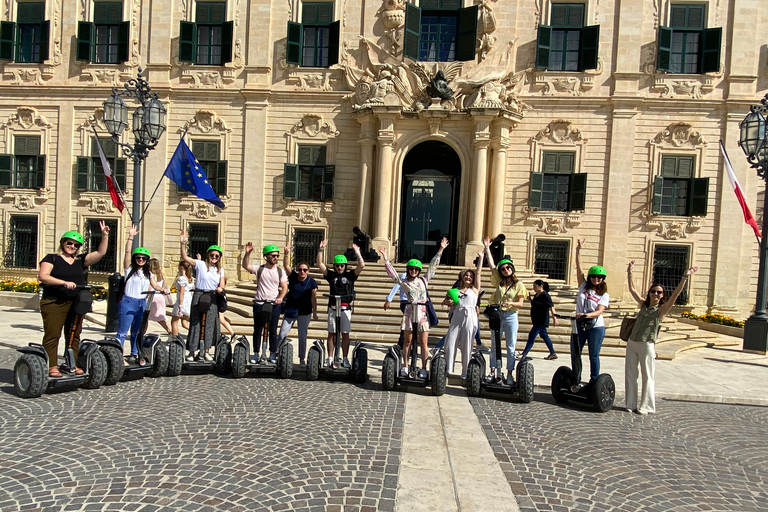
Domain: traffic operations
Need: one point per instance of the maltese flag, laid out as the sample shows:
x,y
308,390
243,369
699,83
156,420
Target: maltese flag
x,y
748,218
114,190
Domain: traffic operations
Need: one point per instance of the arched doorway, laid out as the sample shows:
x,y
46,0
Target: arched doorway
x,y
430,199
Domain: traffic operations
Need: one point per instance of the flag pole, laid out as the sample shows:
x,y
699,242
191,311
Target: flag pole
x,y
114,182
161,180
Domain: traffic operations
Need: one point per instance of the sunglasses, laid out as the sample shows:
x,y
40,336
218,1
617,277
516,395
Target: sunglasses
x,y
597,277
506,267
73,244
212,256
657,292
303,270
141,258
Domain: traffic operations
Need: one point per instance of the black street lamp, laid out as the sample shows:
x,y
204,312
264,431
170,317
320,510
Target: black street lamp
x,y
148,127
753,140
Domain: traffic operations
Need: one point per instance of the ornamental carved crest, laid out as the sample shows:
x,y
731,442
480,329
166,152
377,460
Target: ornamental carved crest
x,y
26,118
560,131
312,125
679,134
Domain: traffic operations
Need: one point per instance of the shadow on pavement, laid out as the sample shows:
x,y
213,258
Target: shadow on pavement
x,y
749,363
6,376
29,327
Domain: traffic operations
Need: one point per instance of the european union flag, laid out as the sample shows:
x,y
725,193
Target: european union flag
x,y
186,172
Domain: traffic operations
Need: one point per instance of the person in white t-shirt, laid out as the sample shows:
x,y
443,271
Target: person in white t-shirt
x,y
591,301
271,285
209,282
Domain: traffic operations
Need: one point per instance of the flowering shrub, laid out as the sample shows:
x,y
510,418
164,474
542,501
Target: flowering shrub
x,y
714,319
19,286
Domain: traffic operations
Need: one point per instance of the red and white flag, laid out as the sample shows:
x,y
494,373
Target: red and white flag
x,y
114,190
748,218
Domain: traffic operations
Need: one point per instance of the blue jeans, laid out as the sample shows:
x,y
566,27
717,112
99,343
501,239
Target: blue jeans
x,y
258,327
509,329
535,331
594,340
129,316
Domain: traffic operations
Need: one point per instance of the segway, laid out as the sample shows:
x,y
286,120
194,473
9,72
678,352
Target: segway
x,y
435,377
316,357
152,358
283,364
476,370
222,356
567,384
30,374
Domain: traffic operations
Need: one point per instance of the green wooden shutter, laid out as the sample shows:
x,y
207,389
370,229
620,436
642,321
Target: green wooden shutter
x,y
664,56
187,41
227,30
466,33
291,181
40,172
324,14
590,43
697,206
658,189
711,42
84,39
220,187
333,42
81,177
684,167
549,163
577,195
677,16
543,44
559,15
123,41
293,43
412,32
7,39
669,166
537,184
565,163
45,36
6,170
119,172
327,188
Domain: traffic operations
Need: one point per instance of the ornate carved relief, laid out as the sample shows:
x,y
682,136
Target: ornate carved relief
x,y
321,79
309,212
55,58
135,57
205,121
677,135
560,131
670,228
199,208
552,223
392,15
97,202
25,199
685,86
313,125
104,75
486,25
24,75
552,83
26,118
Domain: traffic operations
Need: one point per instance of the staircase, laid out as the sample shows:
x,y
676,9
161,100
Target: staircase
x,y
371,324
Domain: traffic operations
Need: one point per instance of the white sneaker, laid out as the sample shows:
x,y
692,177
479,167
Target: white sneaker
x,y
191,357
207,357
254,358
329,362
346,363
273,358
404,371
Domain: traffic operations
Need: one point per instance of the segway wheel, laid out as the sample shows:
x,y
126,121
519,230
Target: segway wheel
x,y
222,363
438,376
313,364
388,370
473,378
159,361
603,393
562,379
239,360
175,359
525,382
360,366
97,372
115,367
285,361
30,376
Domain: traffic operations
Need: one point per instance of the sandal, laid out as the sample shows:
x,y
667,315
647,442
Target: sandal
x,y
54,372
79,371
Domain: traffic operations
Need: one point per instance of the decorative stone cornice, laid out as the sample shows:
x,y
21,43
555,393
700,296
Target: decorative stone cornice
x,y
25,199
26,118
566,83
678,135
560,131
200,208
551,223
205,121
309,212
313,125
97,202
670,227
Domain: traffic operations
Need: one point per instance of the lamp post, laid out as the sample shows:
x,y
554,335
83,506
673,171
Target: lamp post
x,y
148,127
753,139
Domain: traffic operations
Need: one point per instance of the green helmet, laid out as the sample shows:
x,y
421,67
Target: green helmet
x,y
596,270
504,262
214,248
414,263
340,259
453,293
73,235
270,248
140,250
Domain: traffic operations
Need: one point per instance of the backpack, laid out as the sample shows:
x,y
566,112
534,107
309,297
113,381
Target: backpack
x,y
279,272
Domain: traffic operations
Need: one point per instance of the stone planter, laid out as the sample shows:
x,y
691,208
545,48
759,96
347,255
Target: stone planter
x,y
19,300
728,330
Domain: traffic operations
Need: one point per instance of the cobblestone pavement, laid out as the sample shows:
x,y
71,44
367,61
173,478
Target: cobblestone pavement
x,y
200,443
688,456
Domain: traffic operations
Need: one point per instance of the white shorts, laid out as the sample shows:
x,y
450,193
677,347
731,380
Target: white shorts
x,y
346,320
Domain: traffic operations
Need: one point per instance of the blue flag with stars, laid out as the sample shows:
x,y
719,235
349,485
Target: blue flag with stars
x,y
186,172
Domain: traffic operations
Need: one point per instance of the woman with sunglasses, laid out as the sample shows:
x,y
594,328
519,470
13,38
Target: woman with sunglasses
x,y
60,274
641,347
138,279
300,303
209,281
591,301
415,287
509,293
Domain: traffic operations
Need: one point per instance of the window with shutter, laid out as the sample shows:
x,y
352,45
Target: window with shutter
x,y
110,33
28,172
6,170
676,191
558,188
84,40
7,39
187,41
21,251
440,31
310,179
108,263
687,46
96,180
211,26
315,41
207,154
32,32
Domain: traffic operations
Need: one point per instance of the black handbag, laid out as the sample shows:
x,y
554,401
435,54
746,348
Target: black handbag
x,y
221,301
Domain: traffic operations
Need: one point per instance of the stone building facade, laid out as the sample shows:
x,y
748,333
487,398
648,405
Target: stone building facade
x,y
548,122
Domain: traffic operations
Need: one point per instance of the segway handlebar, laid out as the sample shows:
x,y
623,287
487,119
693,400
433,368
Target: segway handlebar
x,y
565,317
89,287
337,297
264,301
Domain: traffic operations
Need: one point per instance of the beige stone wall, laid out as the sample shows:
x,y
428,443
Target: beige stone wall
x,y
260,108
